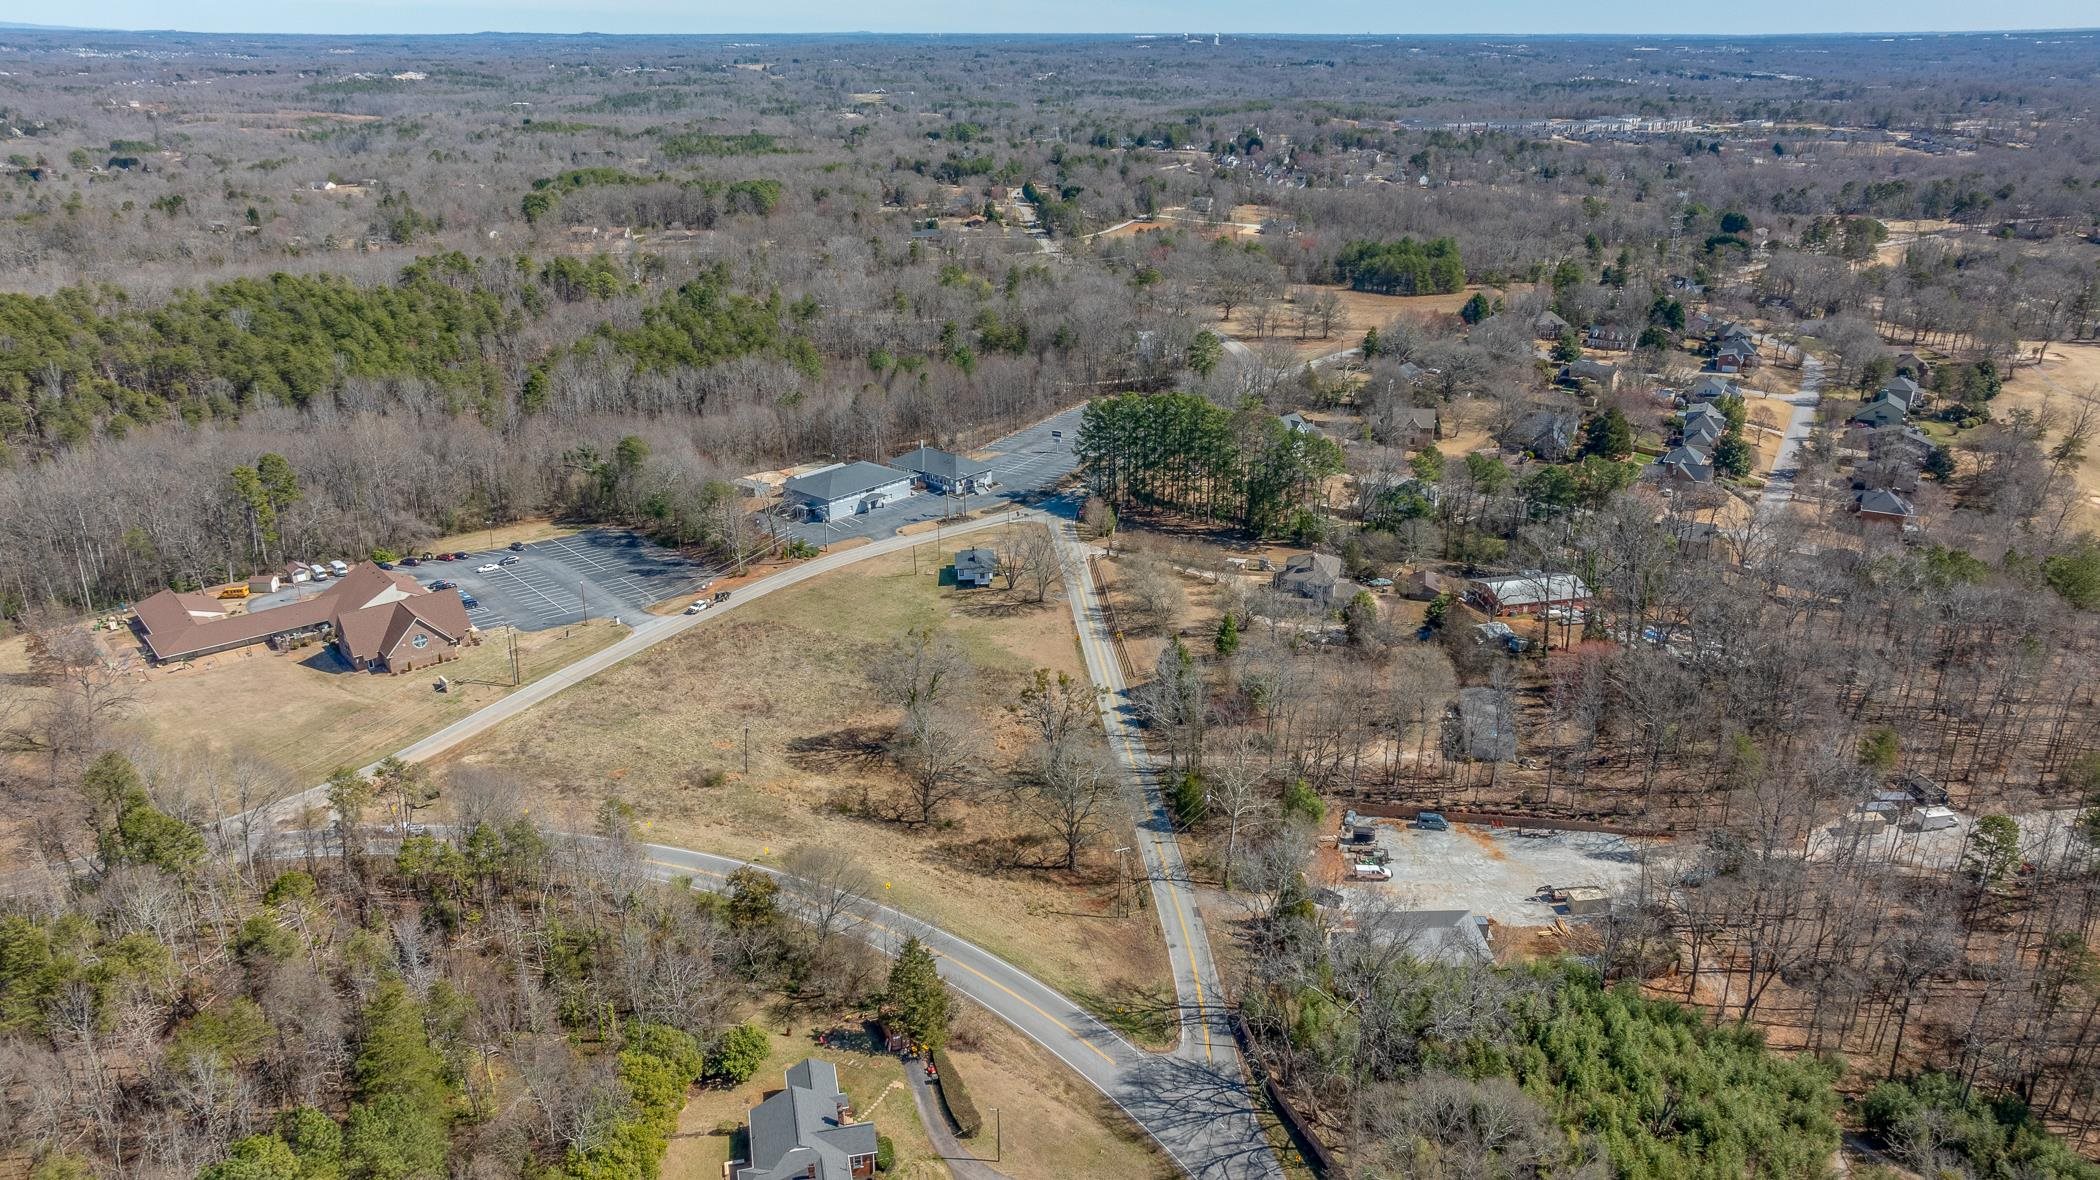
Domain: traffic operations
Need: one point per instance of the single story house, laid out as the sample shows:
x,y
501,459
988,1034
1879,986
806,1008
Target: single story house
x,y
1527,593
845,489
1444,936
1686,464
1479,727
975,567
378,619
1317,576
1609,338
1882,411
1915,367
806,1131
1882,506
1708,389
948,474
1596,373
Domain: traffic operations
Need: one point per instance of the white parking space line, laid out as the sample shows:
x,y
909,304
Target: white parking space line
x,y
535,589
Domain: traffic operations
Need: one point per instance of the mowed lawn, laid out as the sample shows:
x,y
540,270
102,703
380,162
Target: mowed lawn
x,y
667,732
295,713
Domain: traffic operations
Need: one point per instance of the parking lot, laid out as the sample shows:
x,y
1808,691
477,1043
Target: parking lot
x,y
1494,872
601,573
1023,463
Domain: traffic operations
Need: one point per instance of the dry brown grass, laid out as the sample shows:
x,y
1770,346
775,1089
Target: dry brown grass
x,y
537,528
1361,311
293,712
789,674
2069,375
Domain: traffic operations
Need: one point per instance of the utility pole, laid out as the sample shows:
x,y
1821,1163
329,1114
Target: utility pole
x,y
747,749
515,677
583,599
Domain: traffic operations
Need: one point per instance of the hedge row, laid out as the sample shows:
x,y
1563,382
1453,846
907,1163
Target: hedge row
x,y
956,1097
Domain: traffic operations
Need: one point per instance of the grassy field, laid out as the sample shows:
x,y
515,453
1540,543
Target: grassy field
x,y
1361,311
2071,374
308,720
785,681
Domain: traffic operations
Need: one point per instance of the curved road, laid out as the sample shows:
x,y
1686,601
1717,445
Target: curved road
x,y
1195,1101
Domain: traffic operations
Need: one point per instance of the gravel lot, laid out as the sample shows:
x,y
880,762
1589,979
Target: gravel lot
x,y
1492,871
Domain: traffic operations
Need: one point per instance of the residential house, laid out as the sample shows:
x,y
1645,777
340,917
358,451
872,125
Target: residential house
x,y
1548,434
1456,937
1416,427
1698,538
806,1131
1703,426
1313,576
1904,390
1882,411
1298,423
379,619
1708,389
845,489
1589,372
1700,324
1735,356
1915,367
1479,727
1548,326
1883,506
948,474
1687,464
975,567
1528,593
1410,372
1609,338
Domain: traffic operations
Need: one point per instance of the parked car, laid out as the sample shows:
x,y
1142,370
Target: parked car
x,y
487,567
698,606
512,560
468,600
442,584
1432,821
386,565
338,569
1368,871
517,546
458,555
411,561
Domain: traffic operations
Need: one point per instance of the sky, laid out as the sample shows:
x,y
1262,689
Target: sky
x,y
1067,16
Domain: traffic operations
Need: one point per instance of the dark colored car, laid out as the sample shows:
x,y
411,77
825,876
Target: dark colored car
x,y
517,546
468,600
411,561
442,584
512,560
386,565
1432,821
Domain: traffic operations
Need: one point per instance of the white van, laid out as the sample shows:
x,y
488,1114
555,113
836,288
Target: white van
x,y
338,569
320,572
1933,819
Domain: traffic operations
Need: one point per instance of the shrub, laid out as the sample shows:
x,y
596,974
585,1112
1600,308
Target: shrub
x,y
885,1153
956,1097
742,1051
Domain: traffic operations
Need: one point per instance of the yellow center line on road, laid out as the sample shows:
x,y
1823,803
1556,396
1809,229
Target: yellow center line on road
x,y
1069,1030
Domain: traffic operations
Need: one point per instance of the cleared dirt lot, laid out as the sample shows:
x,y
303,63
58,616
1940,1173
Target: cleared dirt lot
x,y
1361,311
1491,871
788,678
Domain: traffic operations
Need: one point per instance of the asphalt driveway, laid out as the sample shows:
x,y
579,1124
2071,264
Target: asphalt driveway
x,y
599,574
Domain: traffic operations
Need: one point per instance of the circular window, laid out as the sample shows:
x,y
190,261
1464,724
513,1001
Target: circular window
x,y
420,642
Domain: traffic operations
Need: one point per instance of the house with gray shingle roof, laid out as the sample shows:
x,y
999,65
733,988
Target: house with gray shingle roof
x,y
1882,411
803,1132
1687,463
845,489
946,473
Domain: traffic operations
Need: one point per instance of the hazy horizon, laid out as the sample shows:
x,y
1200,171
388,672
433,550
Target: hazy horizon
x,y
1531,18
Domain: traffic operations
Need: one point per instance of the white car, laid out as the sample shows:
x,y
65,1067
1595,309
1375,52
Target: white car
x,y
490,568
698,606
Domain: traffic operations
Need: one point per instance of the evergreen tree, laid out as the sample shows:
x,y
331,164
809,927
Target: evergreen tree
x,y
917,1000
1608,435
1228,640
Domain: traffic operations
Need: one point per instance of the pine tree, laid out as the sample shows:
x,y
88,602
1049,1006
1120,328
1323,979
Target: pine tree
x,y
1228,640
919,1004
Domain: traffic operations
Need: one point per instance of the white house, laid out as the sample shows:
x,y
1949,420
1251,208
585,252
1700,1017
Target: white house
x,y
845,489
